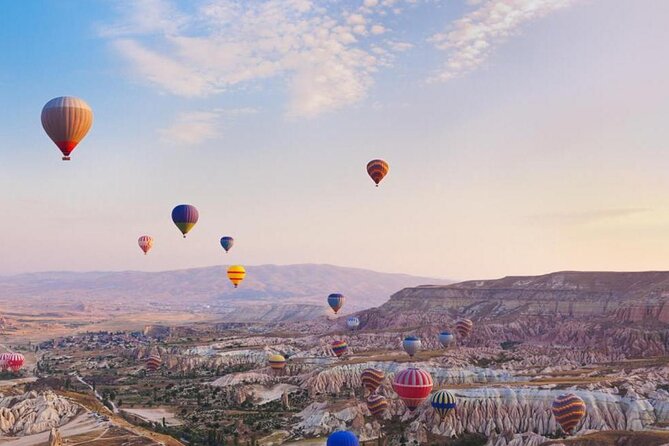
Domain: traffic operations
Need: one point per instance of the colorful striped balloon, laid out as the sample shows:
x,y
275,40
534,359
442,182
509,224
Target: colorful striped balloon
x,y
372,379
443,402
377,169
185,216
413,386
339,348
154,362
343,438
336,301
411,345
236,274
67,120
277,362
377,404
569,410
446,338
464,327
145,243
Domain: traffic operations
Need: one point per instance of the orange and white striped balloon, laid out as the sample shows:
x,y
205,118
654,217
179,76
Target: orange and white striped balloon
x,y
145,243
67,120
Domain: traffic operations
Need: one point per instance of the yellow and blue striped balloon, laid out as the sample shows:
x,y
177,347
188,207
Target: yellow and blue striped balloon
x,y
443,402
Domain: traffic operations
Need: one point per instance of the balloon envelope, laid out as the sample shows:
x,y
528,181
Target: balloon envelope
x,y
185,216
464,327
227,242
342,438
377,404
411,345
339,348
11,361
372,379
352,322
277,362
153,363
336,301
569,410
377,169
145,243
443,402
413,386
67,120
236,274
446,338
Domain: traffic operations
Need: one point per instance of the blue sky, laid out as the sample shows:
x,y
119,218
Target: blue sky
x,y
524,136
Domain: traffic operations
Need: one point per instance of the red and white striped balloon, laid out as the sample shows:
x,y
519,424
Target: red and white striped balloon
x,y
145,243
413,385
11,361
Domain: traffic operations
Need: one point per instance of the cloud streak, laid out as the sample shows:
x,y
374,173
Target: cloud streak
x,y
470,40
326,58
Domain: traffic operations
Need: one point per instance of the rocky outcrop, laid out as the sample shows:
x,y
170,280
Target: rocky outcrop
x,y
55,438
34,412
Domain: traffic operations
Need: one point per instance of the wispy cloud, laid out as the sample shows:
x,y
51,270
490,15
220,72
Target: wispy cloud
x,y
586,217
327,57
469,40
192,128
195,127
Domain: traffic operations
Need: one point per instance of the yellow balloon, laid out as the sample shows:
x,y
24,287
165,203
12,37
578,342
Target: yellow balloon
x,y
236,274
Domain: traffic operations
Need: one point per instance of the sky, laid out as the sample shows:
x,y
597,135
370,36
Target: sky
x,y
523,136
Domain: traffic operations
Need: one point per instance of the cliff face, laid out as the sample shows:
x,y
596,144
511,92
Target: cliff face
x,y
626,296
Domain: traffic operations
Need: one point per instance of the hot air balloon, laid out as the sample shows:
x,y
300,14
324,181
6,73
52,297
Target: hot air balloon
x,y
464,327
277,362
377,169
372,378
342,438
227,242
446,338
185,216
339,348
145,243
336,301
568,410
413,386
12,361
411,345
236,274
443,402
67,120
154,362
352,322
377,404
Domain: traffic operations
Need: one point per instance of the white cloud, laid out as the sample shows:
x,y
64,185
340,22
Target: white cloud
x,y
378,29
322,54
192,128
471,38
399,46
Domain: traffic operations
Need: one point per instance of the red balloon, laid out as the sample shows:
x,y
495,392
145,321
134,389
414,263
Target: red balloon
x,y
413,385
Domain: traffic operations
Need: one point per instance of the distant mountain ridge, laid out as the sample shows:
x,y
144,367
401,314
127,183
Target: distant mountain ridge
x,y
270,287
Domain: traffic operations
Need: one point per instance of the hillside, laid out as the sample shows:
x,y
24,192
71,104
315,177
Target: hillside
x,y
269,292
631,295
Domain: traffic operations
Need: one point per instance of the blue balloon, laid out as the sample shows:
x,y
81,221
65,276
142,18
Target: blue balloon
x,y
336,301
343,438
227,242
